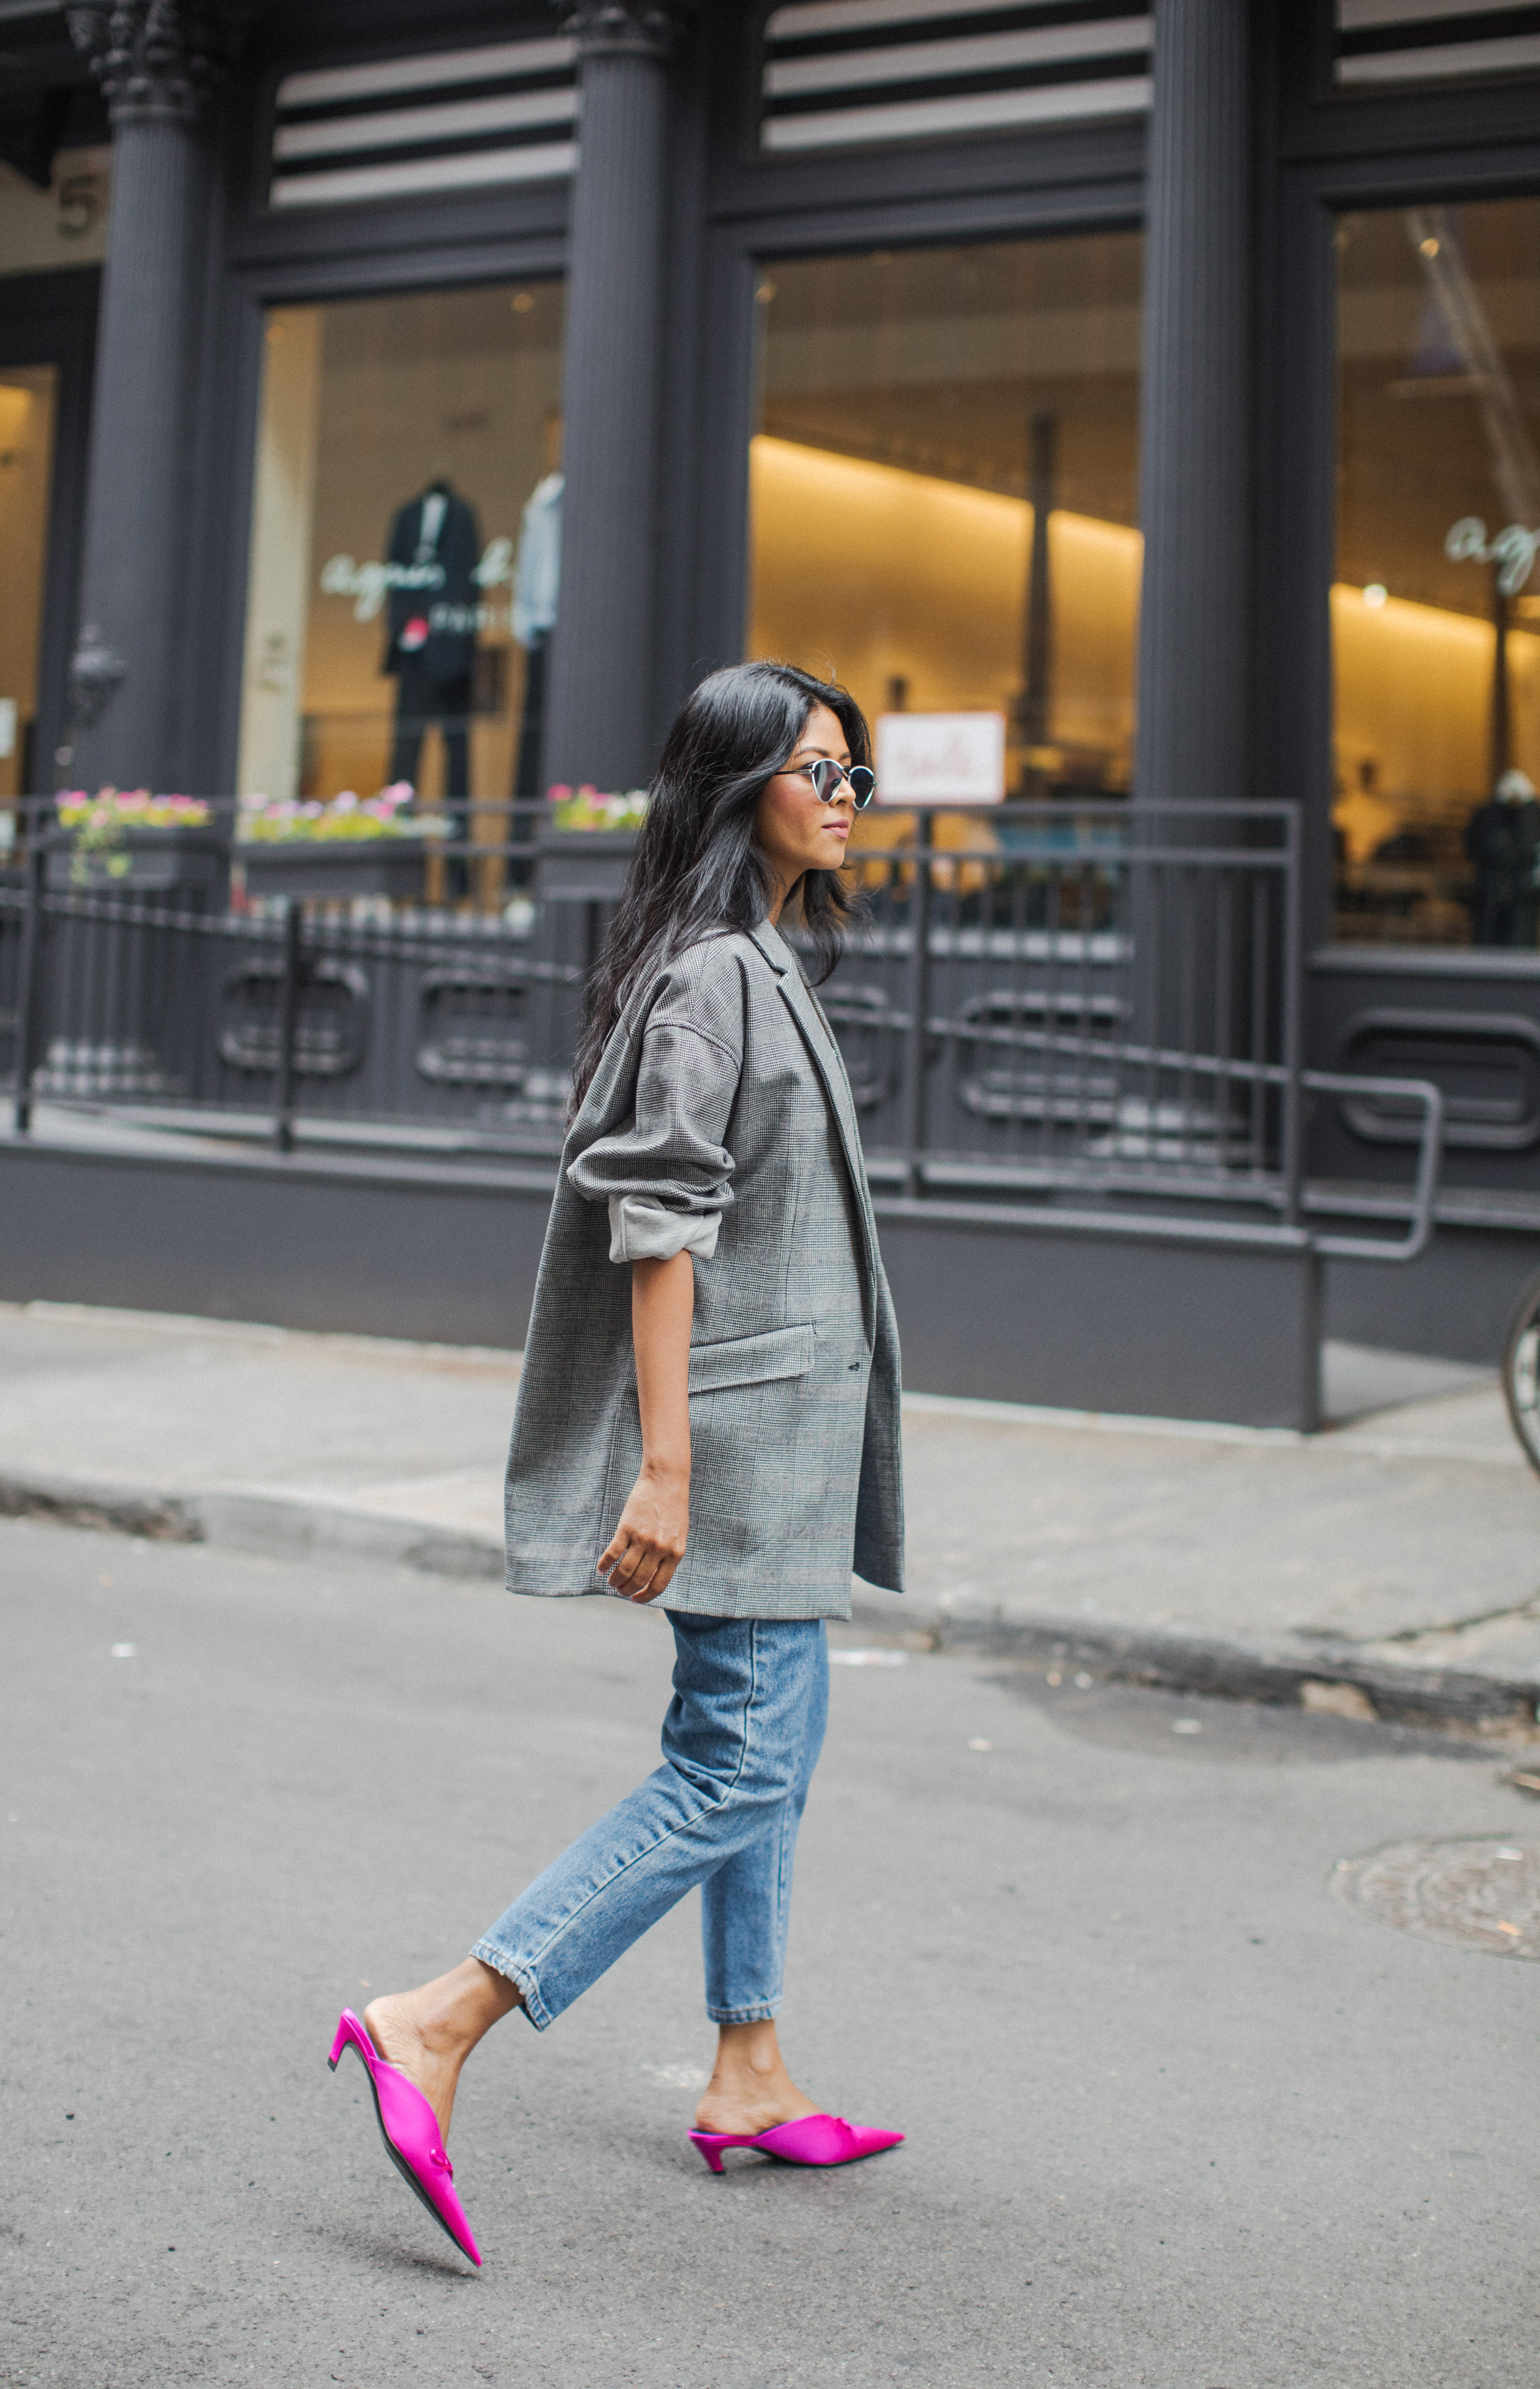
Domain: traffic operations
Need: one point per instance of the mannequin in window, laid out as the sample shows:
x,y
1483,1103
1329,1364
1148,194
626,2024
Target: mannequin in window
x,y
430,645
1361,817
1502,839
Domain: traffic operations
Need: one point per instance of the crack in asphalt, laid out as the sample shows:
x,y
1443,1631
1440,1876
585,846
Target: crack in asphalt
x,y
1529,1608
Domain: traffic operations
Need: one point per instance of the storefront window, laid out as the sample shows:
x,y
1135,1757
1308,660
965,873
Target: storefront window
x,y
408,455
27,406
945,492
1436,611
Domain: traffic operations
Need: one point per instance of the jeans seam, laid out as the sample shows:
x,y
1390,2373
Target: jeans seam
x,y
524,1981
784,1829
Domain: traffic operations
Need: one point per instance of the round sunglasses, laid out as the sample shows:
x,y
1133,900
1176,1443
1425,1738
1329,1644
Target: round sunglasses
x,y
828,777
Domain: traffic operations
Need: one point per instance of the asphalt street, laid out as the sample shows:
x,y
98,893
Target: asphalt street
x,y
1177,2115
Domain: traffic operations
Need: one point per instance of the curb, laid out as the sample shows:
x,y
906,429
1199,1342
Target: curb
x,y
274,1523
1326,1675
1277,1674
64,1502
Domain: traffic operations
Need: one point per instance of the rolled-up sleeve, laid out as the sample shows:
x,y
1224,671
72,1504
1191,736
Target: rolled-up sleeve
x,y
666,1172
641,1230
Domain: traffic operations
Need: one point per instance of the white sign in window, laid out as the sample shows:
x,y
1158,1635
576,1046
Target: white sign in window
x,y
940,759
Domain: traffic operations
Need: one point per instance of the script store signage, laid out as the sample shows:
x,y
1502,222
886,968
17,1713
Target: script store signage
x,y
940,759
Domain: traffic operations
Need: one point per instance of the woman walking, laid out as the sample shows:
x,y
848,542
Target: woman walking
x,y
708,1417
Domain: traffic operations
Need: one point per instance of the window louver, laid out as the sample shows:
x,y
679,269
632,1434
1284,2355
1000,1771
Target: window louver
x,y
1430,40
839,71
452,121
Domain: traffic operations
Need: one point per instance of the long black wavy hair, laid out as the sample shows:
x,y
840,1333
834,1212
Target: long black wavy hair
x,y
696,867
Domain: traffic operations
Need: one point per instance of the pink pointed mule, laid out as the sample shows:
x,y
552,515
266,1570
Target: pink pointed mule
x,y
410,2129
808,2139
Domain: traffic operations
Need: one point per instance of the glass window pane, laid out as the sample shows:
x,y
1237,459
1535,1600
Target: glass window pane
x,y
28,395
400,442
940,432
1435,610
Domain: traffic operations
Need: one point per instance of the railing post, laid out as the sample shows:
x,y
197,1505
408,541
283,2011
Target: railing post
x,y
29,977
1291,1125
289,1007
919,1002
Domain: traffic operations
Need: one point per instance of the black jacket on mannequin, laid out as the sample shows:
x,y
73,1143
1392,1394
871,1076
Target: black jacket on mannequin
x,y
1503,841
430,624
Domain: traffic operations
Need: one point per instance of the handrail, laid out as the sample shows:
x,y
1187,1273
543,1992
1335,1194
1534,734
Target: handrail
x,y
1430,1155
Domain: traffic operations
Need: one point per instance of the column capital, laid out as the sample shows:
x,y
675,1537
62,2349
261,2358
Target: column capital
x,y
623,28
154,58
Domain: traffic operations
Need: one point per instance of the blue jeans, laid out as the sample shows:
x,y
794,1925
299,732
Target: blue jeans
x,y
740,1743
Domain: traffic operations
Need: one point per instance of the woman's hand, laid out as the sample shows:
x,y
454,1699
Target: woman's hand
x,y
648,1544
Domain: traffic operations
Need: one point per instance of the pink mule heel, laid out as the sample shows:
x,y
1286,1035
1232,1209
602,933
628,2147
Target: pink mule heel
x,y
410,2129
809,2141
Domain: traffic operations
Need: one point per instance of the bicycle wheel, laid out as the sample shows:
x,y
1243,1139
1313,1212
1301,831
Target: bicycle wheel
x,y
1521,1372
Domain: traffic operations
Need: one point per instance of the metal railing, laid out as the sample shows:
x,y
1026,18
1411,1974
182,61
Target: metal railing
x,y
1108,1000
1086,1004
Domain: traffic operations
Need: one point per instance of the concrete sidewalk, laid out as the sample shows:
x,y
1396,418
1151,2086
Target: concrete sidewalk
x,y
1390,1563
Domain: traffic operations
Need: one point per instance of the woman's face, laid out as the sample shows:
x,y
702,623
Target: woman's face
x,y
794,830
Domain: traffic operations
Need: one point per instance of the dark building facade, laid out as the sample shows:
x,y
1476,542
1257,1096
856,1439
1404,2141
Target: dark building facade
x,y
1163,378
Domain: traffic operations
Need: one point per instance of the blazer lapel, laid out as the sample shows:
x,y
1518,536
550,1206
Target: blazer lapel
x,y
818,1038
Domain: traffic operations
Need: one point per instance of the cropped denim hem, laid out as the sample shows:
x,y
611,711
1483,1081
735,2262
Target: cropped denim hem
x,y
522,1980
765,2012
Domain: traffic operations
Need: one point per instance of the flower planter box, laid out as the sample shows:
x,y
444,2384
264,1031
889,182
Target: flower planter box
x,y
190,863
336,868
576,866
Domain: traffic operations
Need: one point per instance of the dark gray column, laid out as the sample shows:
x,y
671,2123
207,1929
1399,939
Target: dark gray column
x,y
154,61
599,720
1195,493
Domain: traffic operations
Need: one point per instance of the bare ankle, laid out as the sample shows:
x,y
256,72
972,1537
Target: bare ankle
x,y
447,2017
749,2053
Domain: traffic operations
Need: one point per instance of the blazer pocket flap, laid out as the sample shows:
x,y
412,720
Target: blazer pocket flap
x,y
751,1359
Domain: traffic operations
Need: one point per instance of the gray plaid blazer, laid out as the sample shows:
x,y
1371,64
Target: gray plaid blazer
x,y
721,1091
